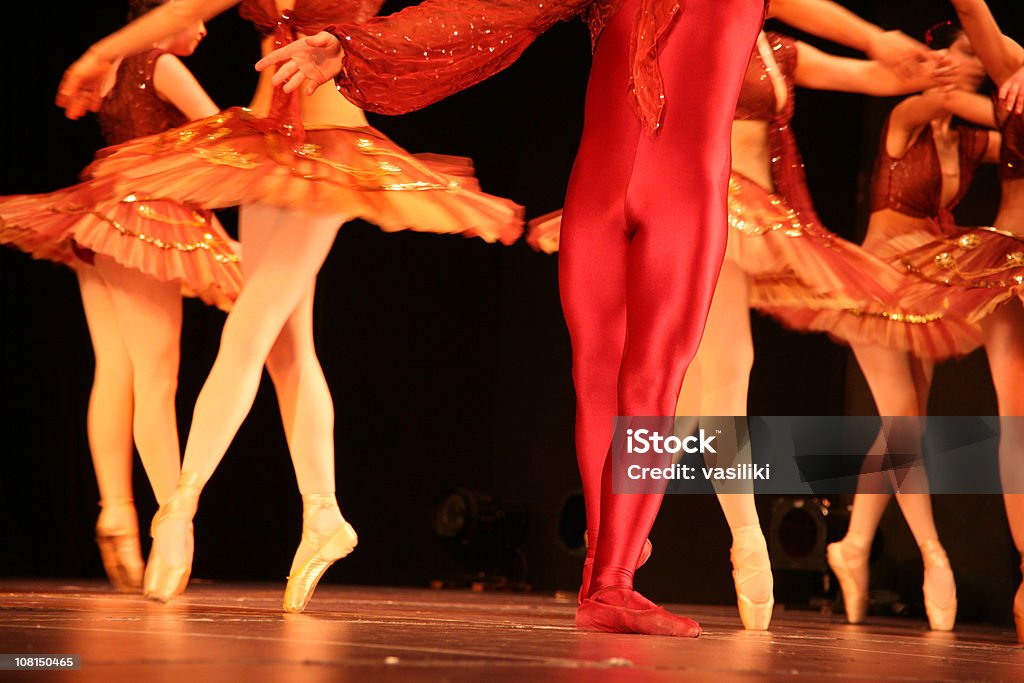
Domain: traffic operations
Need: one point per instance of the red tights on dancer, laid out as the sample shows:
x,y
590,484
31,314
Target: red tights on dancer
x,y
643,238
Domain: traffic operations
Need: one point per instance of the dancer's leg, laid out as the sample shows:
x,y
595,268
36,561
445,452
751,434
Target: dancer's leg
x,y
294,247
110,434
670,262
725,357
149,319
307,413
899,384
110,400
678,242
1002,330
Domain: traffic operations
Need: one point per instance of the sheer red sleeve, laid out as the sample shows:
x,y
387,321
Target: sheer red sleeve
x,y
405,61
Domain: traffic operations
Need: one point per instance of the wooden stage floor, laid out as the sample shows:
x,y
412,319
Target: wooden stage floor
x,y
236,632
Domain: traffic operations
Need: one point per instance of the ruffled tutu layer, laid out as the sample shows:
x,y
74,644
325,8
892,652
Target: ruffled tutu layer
x,y
164,239
236,158
793,262
969,274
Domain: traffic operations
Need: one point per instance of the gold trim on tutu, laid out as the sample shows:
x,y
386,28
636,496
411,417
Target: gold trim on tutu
x,y
970,274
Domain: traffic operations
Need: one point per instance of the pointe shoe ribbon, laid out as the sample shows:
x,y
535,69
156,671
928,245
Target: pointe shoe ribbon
x,y
119,547
163,580
623,610
305,575
941,616
752,566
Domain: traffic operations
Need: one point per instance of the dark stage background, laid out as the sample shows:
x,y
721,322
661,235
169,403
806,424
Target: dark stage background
x,y
448,358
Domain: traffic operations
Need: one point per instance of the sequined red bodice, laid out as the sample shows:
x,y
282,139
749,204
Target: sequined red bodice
x,y
912,183
758,101
308,16
132,108
1011,154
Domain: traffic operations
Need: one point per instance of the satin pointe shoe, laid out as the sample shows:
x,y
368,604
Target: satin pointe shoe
x,y
318,549
117,535
848,560
164,578
752,576
588,566
941,611
623,610
1018,609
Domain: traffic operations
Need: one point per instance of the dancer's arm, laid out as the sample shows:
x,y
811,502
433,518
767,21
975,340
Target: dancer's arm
x,y
1011,93
919,110
834,22
1001,55
80,90
822,71
405,61
176,84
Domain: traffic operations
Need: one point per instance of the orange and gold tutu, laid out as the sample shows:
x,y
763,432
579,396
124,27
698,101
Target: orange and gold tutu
x,y
969,274
164,239
236,157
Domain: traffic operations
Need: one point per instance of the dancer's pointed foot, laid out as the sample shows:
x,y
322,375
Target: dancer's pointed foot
x,y
752,575
623,610
939,587
326,538
588,566
170,559
849,562
117,535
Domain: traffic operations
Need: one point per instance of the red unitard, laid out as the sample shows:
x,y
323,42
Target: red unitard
x,y
645,223
638,262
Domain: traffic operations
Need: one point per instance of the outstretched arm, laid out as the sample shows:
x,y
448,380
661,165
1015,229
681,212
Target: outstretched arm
x,y
822,71
405,61
176,84
1001,55
80,90
834,22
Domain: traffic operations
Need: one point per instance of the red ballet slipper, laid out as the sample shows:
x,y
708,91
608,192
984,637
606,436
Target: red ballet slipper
x,y
622,610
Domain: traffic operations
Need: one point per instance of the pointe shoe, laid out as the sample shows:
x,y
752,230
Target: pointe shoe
x,y
306,573
588,566
941,615
623,610
846,558
119,546
750,562
163,581
1018,609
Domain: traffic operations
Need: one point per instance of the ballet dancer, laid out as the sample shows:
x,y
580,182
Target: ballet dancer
x,y
300,165
133,257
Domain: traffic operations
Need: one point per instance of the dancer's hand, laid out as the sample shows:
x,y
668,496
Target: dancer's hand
x,y
307,63
80,91
1011,93
899,52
